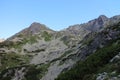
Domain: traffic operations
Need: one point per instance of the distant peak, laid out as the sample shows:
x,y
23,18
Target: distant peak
x,y
103,17
35,23
36,27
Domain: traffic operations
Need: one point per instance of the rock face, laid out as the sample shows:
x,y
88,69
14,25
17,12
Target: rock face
x,y
35,28
39,53
92,25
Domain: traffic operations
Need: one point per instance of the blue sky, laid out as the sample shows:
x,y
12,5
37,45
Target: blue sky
x,y
16,15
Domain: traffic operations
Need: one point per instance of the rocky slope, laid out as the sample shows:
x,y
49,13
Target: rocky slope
x,y
99,57
39,53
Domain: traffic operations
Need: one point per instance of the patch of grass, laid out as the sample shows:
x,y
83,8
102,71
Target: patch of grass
x,y
58,35
9,73
32,39
12,59
43,69
18,45
88,41
32,72
20,35
65,40
35,72
47,36
116,27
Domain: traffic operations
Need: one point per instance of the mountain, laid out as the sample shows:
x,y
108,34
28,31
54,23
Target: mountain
x,y
33,29
80,52
100,54
92,25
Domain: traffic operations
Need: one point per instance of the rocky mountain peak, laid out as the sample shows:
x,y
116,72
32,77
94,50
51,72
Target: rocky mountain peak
x,y
36,27
97,24
103,17
92,25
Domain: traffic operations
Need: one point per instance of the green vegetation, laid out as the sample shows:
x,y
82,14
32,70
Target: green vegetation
x,y
32,72
20,35
18,45
85,70
8,77
35,72
65,39
12,60
89,38
58,35
116,27
32,39
47,36
67,52
88,41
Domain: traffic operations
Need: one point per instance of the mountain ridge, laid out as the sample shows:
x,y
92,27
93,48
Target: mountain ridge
x,y
92,25
39,53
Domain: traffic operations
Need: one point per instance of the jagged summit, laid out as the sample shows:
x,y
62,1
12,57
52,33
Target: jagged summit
x,y
36,27
92,25
103,17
